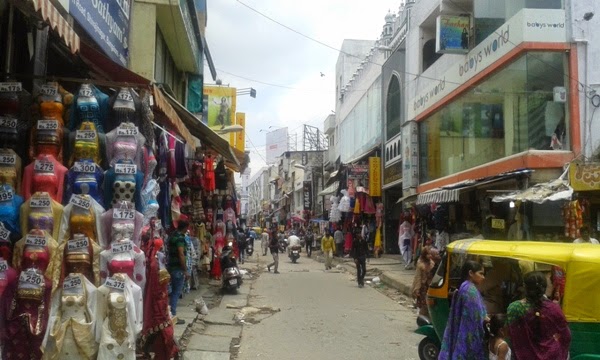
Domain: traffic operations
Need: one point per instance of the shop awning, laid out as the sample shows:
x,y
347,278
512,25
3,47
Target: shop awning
x,y
50,14
406,198
103,68
556,190
331,189
206,135
175,121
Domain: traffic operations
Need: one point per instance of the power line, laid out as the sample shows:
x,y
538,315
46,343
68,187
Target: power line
x,y
256,149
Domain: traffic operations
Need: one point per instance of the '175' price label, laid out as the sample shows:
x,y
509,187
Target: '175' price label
x,y
30,277
78,244
35,240
47,124
8,122
39,201
4,233
11,87
86,91
3,265
126,214
44,166
125,131
72,283
122,247
125,95
115,284
84,167
130,169
49,89
85,135
80,201
6,195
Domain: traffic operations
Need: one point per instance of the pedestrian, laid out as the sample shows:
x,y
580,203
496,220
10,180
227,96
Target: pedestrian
x,y
464,337
274,248
348,240
585,237
442,239
328,249
405,236
242,243
308,241
422,279
359,252
264,242
338,236
536,325
497,346
177,266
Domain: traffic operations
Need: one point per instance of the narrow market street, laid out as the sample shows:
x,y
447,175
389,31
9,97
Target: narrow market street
x,y
304,312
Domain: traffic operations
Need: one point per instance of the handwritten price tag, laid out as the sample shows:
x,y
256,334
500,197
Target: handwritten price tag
x,y
8,122
30,277
39,201
115,284
72,282
6,195
4,234
85,135
80,201
3,266
125,95
78,244
84,167
35,240
122,247
122,131
47,124
49,89
124,214
86,91
11,87
130,169
44,166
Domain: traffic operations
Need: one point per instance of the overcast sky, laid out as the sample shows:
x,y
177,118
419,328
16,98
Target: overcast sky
x,y
245,44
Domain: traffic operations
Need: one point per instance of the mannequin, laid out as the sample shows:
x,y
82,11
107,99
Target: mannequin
x,y
77,219
123,181
85,177
46,138
8,283
125,106
86,143
44,174
11,169
90,104
124,257
35,250
121,222
120,312
41,212
71,331
125,142
77,255
9,211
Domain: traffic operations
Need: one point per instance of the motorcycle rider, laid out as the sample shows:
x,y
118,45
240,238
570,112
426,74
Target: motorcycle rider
x,y
228,258
293,240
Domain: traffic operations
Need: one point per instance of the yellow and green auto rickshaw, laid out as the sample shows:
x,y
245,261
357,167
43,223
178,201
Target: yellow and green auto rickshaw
x,y
506,263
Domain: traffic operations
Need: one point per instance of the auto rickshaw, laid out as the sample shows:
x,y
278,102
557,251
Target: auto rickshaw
x,y
580,297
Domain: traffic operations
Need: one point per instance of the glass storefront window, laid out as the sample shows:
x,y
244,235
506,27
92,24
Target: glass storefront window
x,y
393,108
510,112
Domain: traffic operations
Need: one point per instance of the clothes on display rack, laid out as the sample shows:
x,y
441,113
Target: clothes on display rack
x,y
85,178
41,212
86,143
90,104
44,174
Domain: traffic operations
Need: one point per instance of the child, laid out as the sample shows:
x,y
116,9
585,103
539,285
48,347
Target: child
x,y
497,347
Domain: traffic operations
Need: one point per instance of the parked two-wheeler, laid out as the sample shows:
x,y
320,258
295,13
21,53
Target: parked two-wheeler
x,y
231,276
249,247
294,254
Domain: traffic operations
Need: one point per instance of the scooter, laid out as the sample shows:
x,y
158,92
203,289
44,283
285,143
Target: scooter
x,y
429,347
295,253
231,276
283,245
249,246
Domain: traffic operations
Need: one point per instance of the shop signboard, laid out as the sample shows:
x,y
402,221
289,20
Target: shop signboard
x,y
307,195
584,177
240,136
392,173
358,175
221,104
452,34
375,176
277,143
410,155
107,22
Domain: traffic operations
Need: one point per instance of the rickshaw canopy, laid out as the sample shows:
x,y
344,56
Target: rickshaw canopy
x,y
581,263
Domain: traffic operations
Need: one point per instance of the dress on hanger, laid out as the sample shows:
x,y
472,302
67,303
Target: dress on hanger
x,y
45,174
149,164
121,226
10,171
221,176
43,218
89,181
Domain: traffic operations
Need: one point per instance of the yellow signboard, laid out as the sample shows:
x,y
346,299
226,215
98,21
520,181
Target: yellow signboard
x,y
221,107
498,224
240,136
584,177
375,176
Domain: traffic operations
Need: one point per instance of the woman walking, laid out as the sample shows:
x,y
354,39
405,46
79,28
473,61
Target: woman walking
x,y
464,338
422,279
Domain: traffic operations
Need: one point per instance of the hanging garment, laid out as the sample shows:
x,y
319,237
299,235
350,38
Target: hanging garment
x,y
149,164
221,176
45,174
125,143
125,106
180,164
121,222
119,186
209,174
90,104
86,143
149,200
147,114
85,178
171,162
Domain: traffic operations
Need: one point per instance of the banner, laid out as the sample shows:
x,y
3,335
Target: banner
x,y
240,136
452,34
277,143
358,176
221,103
375,176
584,177
410,155
307,195
106,22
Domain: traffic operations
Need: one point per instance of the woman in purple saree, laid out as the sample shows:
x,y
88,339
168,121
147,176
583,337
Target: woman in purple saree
x,y
537,326
464,338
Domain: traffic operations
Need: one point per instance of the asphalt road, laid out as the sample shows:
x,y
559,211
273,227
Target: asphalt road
x,y
323,315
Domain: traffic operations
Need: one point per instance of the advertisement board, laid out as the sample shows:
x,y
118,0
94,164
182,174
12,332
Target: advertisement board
x,y
357,175
452,34
277,143
221,104
240,136
307,195
584,177
107,22
410,155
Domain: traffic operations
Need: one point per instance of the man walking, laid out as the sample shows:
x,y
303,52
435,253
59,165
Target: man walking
x,y
264,242
359,252
274,247
328,248
177,266
308,241
338,236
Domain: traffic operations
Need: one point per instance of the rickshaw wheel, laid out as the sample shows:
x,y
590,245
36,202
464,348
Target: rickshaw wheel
x,y
428,349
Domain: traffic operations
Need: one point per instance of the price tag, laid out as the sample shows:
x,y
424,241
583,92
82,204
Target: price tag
x,y
78,244
11,87
35,240
84,167
86,91
4,234
44,166
124,246
123,131
125,214
31,277
47,124
8,122
3,266
125,95
49,89
72,282
130,169
115,284
6,195
8,159
81,201
85,135
39,201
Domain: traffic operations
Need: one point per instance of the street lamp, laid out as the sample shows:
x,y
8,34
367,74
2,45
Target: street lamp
x,y
247,91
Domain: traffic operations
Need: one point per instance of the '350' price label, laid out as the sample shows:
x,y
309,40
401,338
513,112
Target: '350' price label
x,y
35,240
115,284
44,166
39,201
122,247
80,201
123,214
72,282
130,169
6,195
78,244
31,277
84,167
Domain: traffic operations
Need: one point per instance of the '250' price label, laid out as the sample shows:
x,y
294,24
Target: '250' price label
x,y
8,159
4,234
72,282
80,201
39,201
30,277
85,135
78,244
35,240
